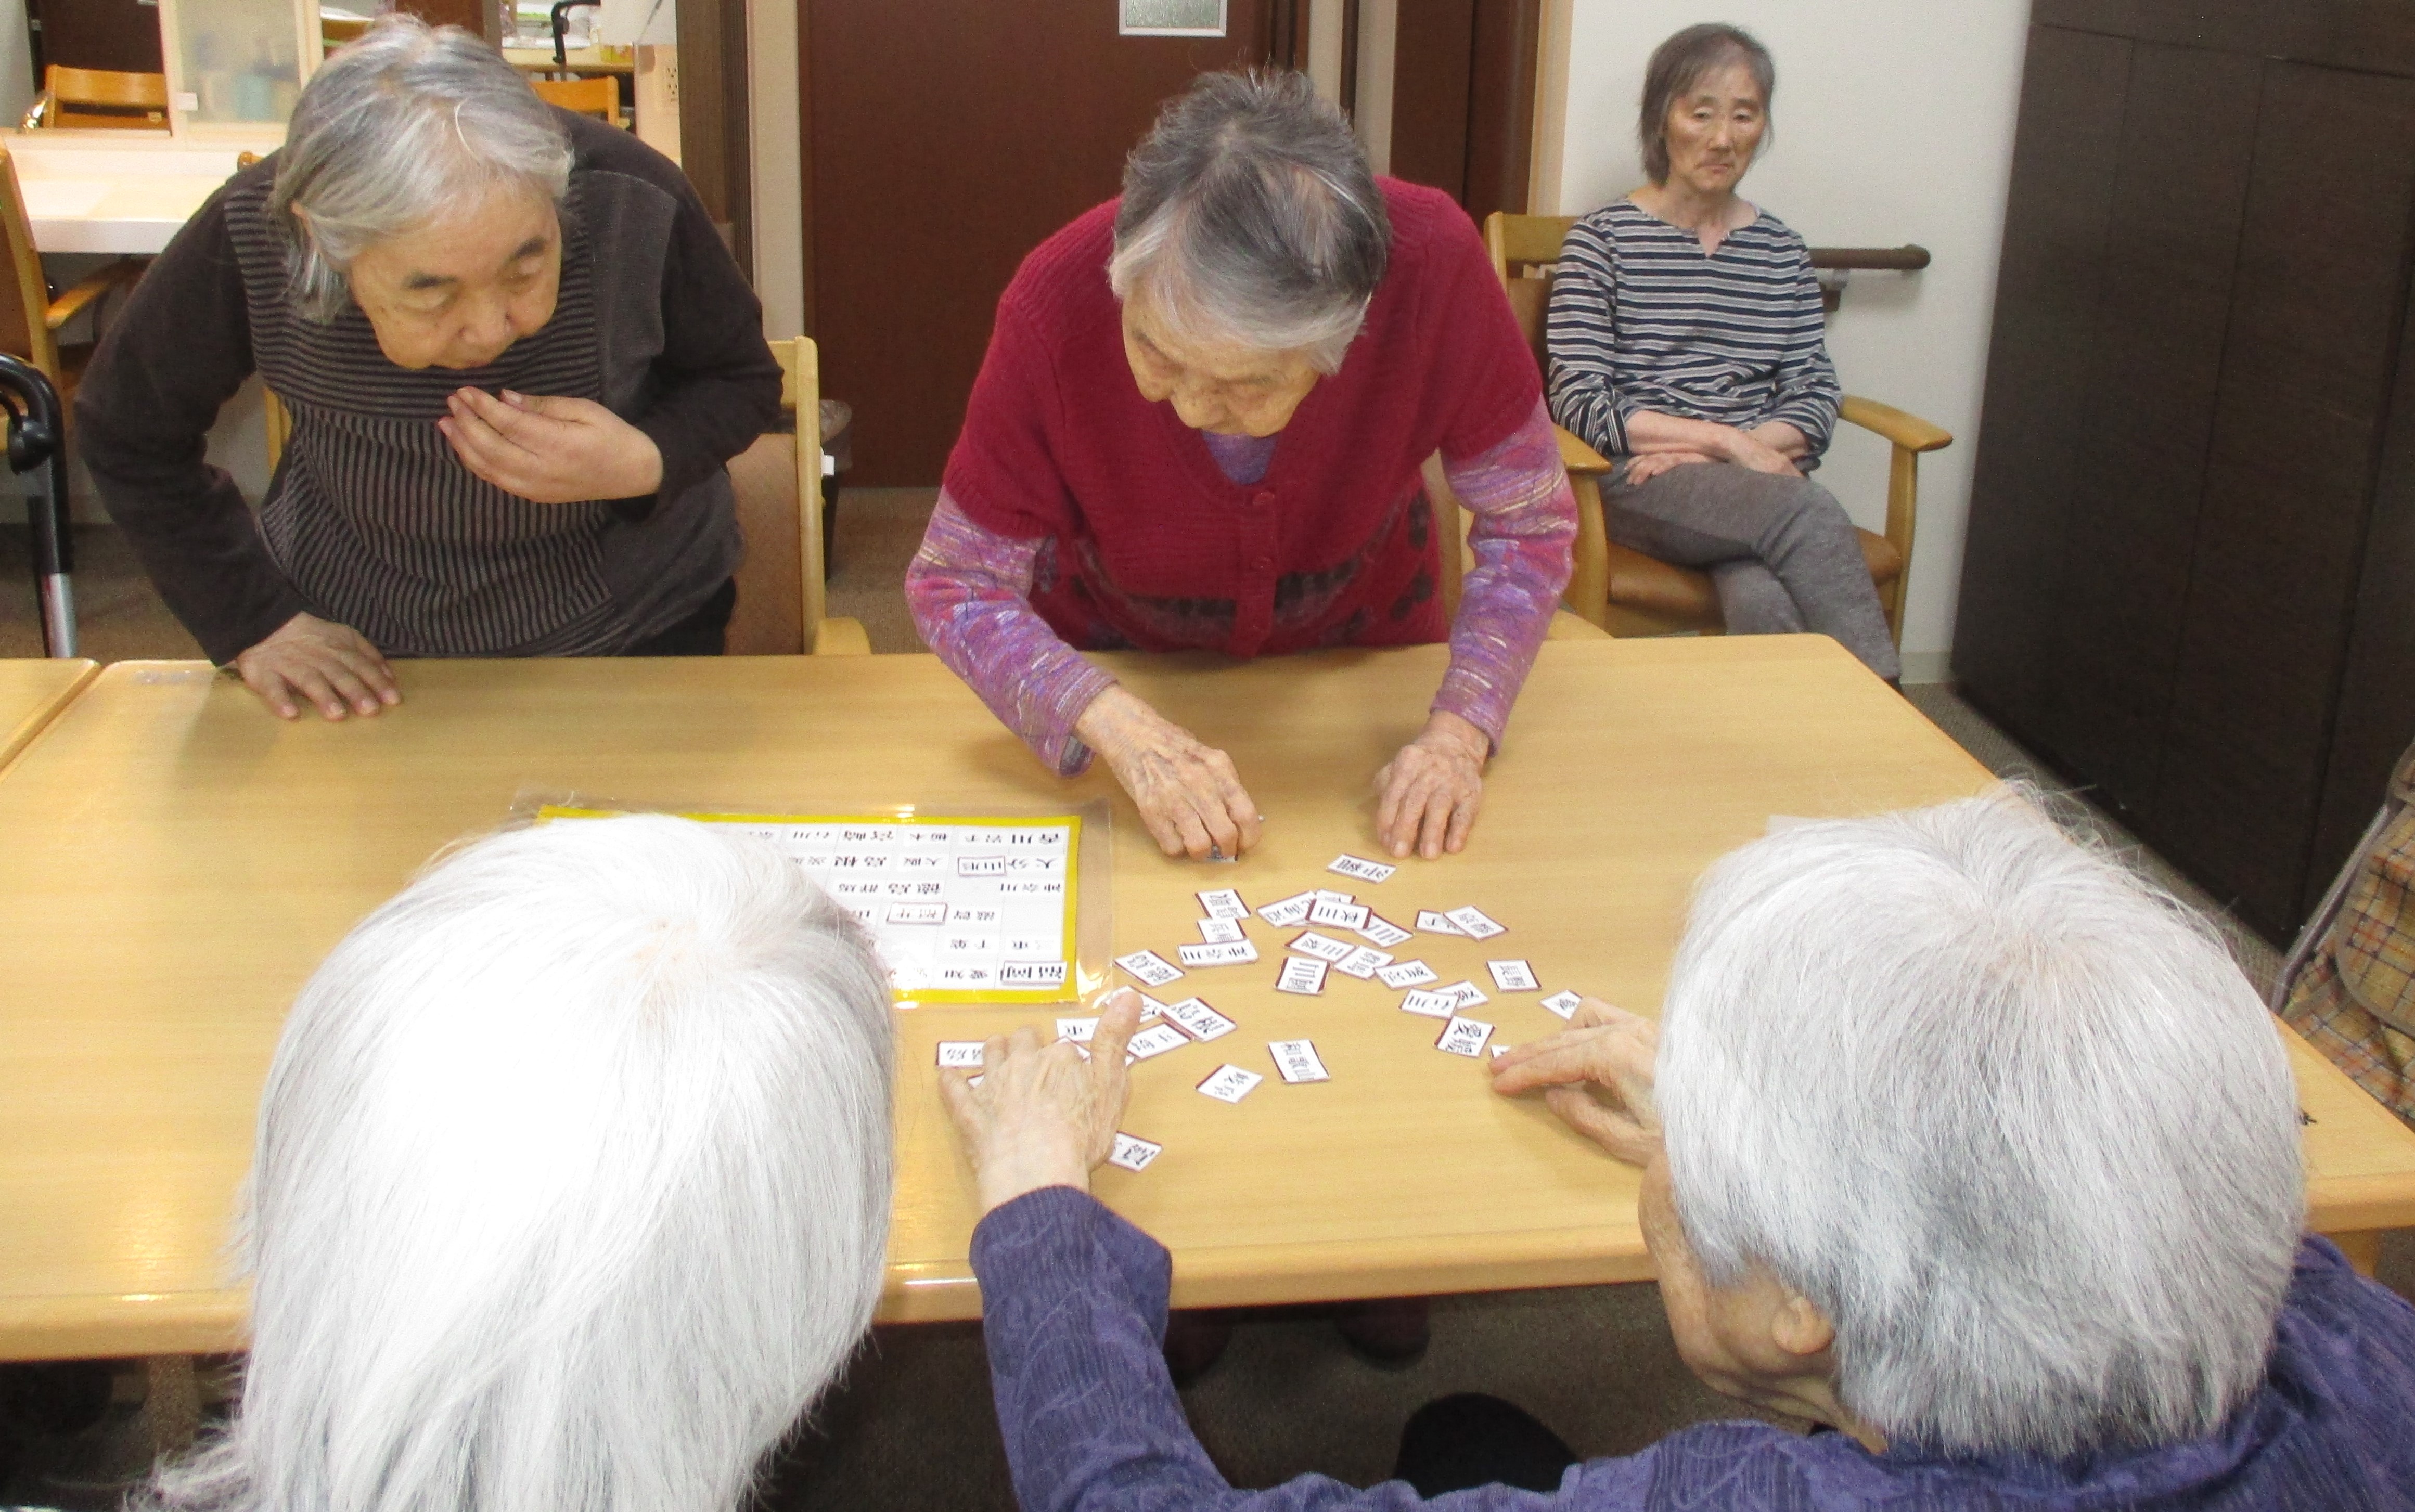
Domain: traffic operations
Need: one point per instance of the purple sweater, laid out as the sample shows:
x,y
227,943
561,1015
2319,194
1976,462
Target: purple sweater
x,y
1073,1304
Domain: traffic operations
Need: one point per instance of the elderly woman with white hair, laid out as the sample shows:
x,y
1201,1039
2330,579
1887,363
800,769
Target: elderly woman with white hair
x,y
1200,425
516,356
572,1186
1957,1140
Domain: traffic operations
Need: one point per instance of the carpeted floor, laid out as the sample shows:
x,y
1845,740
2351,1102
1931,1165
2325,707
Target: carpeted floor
x,y
911,1428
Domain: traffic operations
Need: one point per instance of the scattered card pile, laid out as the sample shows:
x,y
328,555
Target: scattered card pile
x,y
1309,958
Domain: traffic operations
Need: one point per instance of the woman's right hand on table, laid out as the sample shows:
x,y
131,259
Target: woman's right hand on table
x,y
317,660
1189,795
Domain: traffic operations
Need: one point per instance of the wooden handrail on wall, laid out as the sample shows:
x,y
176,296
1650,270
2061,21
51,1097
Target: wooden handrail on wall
x,y
1836,265
1905,259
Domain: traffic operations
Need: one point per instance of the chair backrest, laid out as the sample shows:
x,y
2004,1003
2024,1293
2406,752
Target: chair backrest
x,y
103,97
1525,249
25,295
598,97
782,600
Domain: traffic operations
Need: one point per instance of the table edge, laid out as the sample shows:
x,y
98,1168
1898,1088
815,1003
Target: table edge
x,y
14,742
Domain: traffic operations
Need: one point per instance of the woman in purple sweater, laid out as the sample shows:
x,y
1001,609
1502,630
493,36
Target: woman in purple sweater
x,y
1959,1142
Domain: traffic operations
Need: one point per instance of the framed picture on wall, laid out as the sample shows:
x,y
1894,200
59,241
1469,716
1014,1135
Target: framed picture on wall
x,y
1170,18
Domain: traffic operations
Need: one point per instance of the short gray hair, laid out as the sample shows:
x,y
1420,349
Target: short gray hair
x,y
1680,63
1250,216
2007,1113
402,127
572,1185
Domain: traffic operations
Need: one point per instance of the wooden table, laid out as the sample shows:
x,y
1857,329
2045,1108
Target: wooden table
x,y
31,692
89,191
193,858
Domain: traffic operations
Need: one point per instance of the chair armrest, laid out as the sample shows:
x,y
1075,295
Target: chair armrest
x,y
1581,460
1908,431
69,304
841,637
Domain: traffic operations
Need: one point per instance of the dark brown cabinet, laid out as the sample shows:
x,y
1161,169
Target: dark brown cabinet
x,y
2189,580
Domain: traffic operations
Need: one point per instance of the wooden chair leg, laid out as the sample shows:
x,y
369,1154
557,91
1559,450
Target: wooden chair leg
x,y
1903,513
1589,582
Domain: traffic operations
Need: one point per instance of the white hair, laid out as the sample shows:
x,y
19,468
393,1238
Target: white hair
x,y
572,1185
2009,1115
404,126
1250,215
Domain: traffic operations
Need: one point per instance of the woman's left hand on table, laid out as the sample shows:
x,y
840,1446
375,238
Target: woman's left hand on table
x,y
550,451
1597,1074
1429,793
1043,1116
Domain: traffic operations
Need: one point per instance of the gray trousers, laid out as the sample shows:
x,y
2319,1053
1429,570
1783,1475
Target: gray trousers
x,y
1781,552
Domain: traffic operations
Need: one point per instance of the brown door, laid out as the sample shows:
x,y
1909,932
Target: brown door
x,y
943,140
1464,98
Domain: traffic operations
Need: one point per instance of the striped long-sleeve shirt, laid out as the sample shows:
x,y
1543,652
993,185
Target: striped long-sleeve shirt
x,y
1642,319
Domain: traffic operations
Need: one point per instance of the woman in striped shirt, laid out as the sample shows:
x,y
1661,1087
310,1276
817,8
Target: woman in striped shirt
x,y
1686,338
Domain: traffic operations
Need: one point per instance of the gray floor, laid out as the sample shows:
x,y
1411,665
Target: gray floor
x,y
911,1427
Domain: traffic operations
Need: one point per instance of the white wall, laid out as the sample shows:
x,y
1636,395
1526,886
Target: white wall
x,y
774,165
1895,124
16,63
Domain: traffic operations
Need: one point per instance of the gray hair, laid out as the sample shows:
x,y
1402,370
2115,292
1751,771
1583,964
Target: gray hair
x,y
394,132
1680,63
1250,216
572,1185
2009,1115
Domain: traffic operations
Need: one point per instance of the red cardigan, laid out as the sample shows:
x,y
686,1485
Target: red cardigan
x,y
1148,544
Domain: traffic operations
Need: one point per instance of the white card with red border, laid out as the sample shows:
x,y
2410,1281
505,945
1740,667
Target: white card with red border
x,y
1297,1061
1473,923
1302,975
1133,1152
1464,1037
1513,977
1149,968
1230,1084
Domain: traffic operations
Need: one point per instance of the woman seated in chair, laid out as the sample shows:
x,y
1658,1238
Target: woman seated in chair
x,y
1956,1139
1686,337
1200,425
516,356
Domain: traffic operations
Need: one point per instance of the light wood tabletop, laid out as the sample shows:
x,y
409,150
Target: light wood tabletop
x,y
194,857
98,192
32,691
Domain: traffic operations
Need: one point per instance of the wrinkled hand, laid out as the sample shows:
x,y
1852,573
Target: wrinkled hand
x,y
1745,449
1646,466
1432,789
1190,797
550,451
1782,437
329,664
1042,1116
1597,1075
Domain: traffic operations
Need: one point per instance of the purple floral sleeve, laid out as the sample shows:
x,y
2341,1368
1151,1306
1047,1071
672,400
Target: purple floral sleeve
x,y
1524,530
971,591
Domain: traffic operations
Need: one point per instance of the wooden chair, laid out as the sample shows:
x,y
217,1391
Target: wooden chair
x,y
598,97
778,485
778,482
1640,596
87,99
30,322
1451,523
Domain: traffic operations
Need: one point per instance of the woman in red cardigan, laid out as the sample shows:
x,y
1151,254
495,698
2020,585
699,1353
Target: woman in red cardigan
x,y
1200,425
